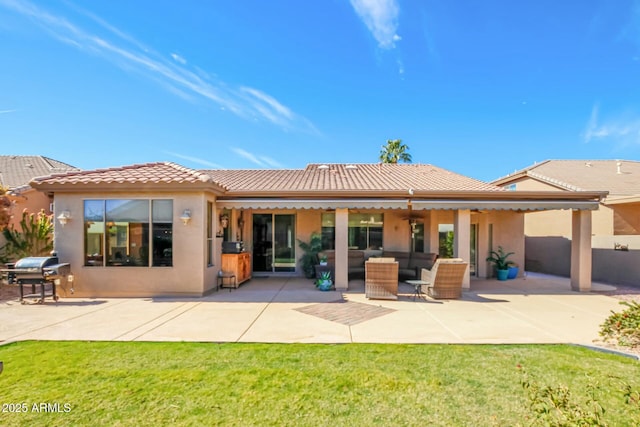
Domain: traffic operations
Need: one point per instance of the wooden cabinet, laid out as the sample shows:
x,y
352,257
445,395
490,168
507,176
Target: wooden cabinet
x,y
238,264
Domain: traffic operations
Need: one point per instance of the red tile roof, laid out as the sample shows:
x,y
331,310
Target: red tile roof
x,y
354,177
314,178
148,173
618,177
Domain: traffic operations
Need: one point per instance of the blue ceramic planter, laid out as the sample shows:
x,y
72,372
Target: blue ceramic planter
x,y
502,274
325,285
513,273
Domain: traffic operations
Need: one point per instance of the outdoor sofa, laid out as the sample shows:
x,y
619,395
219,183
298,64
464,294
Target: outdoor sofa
x,y
409,263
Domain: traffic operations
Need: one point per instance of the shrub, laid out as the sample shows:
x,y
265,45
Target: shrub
x,y
556,406
623,327
35,237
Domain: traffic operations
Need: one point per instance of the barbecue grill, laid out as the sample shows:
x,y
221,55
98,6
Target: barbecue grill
x,y
40,275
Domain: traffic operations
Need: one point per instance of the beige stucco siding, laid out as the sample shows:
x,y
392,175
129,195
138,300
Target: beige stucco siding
x,y
558,222
508,232
626,219
31,200
189,274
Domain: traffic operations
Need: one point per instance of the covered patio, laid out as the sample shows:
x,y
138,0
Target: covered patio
x,y
290,309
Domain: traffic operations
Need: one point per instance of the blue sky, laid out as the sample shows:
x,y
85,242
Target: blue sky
x,y
478,87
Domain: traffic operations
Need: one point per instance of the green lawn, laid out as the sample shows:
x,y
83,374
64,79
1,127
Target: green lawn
x,y
161,384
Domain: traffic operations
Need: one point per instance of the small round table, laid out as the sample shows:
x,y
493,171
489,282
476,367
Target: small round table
x,y
418,284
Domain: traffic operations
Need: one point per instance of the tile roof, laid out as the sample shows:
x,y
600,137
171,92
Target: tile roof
x,y
349,177
619,177
18,171
147,173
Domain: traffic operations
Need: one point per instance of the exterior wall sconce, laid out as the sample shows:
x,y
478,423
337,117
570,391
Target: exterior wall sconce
x,y
186,216
64,217
224,220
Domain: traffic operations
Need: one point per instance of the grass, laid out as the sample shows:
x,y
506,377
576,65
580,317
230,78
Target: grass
x,y
151,384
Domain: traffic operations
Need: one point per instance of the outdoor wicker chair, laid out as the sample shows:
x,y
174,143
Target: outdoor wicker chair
x,y
445,278
381,279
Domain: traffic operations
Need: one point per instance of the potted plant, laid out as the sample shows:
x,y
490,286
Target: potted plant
x,y
324,282
309,258
501,262
323,259
513,271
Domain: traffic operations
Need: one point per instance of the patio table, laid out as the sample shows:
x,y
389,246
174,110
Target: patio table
x,y
417,285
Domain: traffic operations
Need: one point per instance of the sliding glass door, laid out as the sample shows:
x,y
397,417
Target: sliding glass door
x,y
274,237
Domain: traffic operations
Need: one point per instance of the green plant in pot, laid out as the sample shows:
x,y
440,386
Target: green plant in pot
x,y
324,282
309,258
500,260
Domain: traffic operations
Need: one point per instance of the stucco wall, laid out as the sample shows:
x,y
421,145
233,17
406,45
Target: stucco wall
x,y
626,219
552,255
189,274
508,232
558,222
31,200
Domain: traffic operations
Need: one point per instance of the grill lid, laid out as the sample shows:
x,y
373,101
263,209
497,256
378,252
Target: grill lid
x,y
36,262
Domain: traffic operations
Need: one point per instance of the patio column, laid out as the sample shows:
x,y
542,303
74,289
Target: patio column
x,y
482,269
433,239
581,251
462,240
342,249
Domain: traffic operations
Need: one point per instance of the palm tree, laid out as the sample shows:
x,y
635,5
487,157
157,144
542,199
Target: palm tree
x,y
394,152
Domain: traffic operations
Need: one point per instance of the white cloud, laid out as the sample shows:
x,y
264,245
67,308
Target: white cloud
x,y
381,18
249,156
131,55
197,160
271,162
623,129
179,58
7,111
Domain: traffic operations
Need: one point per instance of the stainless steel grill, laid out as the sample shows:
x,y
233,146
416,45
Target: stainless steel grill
x,y
39,276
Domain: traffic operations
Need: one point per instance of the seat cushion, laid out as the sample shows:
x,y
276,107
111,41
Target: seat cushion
x,y
401,257
422,260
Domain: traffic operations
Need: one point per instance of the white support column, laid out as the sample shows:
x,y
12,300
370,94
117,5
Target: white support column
x,y
342,249
462,240
482,269
433,240
581,251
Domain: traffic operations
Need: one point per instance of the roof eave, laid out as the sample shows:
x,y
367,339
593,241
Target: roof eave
x,y
128,186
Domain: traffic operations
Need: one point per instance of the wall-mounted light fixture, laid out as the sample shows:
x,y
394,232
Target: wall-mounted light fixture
x,y
186,216
64,217
224,220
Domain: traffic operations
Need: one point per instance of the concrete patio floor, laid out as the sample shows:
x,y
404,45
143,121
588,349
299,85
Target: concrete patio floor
x,y
290,309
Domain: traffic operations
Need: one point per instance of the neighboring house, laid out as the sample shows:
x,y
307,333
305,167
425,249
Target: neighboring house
x,y
15,174
157,229
615,226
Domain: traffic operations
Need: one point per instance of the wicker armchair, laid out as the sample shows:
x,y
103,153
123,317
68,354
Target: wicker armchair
x,y
445,278
381,278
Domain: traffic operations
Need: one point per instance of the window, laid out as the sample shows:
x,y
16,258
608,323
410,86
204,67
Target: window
x,y
328,231
365,231
128,232
209,233
445,238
